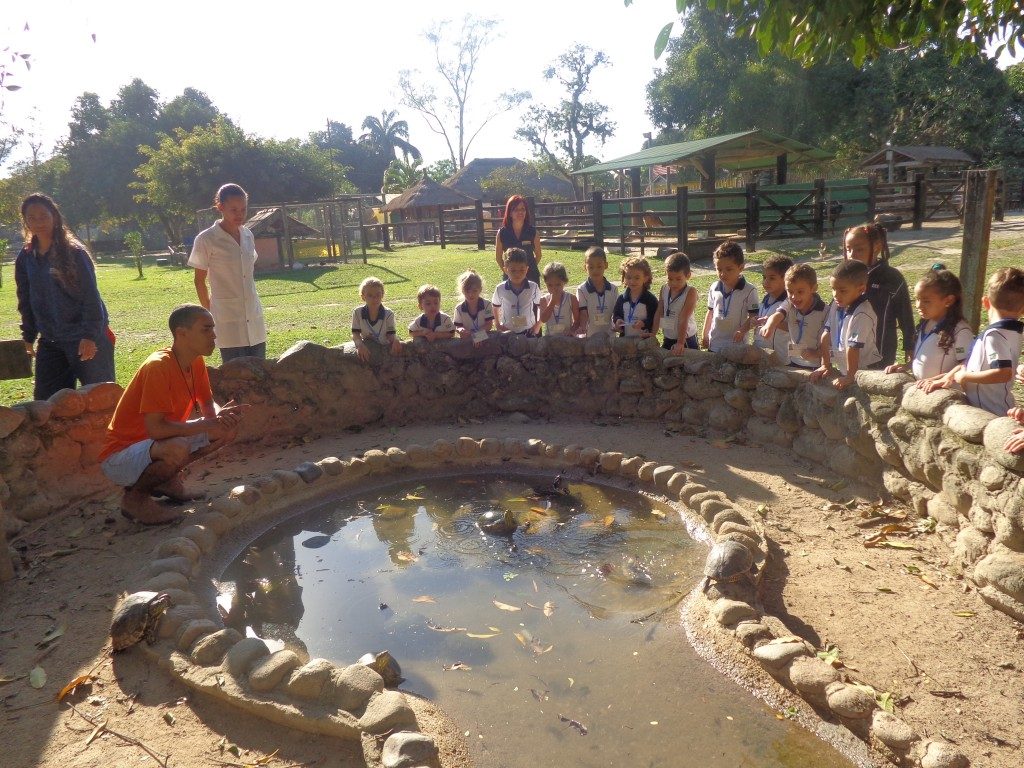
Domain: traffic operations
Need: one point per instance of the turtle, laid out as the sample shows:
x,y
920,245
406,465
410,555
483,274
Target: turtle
x,y
383,664
557,488
137,618
498,523
728,561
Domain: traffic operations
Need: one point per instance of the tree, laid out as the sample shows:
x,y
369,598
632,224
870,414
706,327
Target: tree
x,y
818,30
361,164
519,179
558,134
133,242
402,174
441,170
456,60
387,135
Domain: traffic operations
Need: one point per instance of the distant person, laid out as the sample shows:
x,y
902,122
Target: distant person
x,y
943,337
887,291
59,303
518,232
226,254
165,419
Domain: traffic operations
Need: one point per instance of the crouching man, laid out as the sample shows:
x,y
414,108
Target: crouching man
x,y
165,419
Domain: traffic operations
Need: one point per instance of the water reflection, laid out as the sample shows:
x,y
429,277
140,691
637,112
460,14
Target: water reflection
x,y
569,617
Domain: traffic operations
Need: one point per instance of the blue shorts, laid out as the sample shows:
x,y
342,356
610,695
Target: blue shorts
x,y
127,465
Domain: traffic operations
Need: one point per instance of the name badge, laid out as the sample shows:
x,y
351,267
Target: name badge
x,y
519,322
558,328
720,314
480,335
793,348
600,318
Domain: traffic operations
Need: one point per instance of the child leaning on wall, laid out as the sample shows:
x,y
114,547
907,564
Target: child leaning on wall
x,y
804,312
848,336
732,301
943,335
373,323
432,324
636,309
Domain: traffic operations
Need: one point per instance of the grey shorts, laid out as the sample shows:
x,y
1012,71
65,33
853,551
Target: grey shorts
x,y
127,465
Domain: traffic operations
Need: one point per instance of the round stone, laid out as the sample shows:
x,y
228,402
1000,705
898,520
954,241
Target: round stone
x,y
244,654
811,676
354,685
268,672
728,613
941,754
892,731
780,651
406,749
209,650
192,631
308,681
849,701
387,711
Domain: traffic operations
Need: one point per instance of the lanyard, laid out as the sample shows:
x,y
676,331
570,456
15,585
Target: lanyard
x,y
380,321
601,301
671,301
922,337
801,321
517,294
727,302
632,310
558,312
837,333
475,318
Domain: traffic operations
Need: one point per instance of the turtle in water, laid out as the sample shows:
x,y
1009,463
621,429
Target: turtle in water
x,y
498,523
384,664
556,488
137,617
728,561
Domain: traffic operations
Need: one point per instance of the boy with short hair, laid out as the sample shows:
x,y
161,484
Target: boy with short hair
x,y
987,375
433,324
677,305
774,284
515,299
732,301
848,336
373,322
596,295
804,313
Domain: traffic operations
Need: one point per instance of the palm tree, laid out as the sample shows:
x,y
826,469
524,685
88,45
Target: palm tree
x,y
386,135
401,175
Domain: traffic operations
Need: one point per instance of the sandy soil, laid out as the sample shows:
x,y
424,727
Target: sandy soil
x,y
953,665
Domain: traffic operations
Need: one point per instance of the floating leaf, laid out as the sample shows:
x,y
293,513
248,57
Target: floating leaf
x,y
37,677
315,542
50,636
508,575
436,628
549,608
424,599
574,724
520,637
412,497
609,521
541,697
457,666
483,636
658,513
80,680
505,606
494,629
540,511
964,614
406,557
168,718
516,500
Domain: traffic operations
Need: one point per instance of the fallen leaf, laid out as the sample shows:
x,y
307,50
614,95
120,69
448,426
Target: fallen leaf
x,y
505,606
50,636
436,628
168,718
886,590
658,513
37,677
457,666
234,750
609,521
508,575
541,511
4,679
483,636
424,599
549,608
964,614
541,697
897,545
519,636
70,687
574,724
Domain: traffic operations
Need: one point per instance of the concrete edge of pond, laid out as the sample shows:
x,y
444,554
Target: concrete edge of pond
x,y
355,703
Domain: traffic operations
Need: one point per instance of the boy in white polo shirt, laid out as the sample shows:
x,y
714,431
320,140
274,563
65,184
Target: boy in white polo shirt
x,y
515,300
804,312
987,375
373,322
433,324
848,337
732,301
774,271
226,254
596,296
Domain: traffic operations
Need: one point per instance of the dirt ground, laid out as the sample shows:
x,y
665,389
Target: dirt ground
x,y
901,619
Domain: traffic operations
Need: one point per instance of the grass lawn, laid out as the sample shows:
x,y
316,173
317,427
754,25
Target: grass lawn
x,y
316,303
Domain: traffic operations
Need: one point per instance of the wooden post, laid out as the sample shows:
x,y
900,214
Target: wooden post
x,y
1000,207
753,219
287,235
362,227
478,207
622,231
920,200
440,225
682,213
325,221
869,214
979,200
597,201
781,168
818,212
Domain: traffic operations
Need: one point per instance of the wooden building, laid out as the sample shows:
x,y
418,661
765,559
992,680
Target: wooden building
x,y
267,226
414,213
901,163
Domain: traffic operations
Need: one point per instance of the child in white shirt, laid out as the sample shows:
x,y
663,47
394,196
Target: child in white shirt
x,y
804,313
515,299
677,306
474,317
559,311
943,336
373,322
732,301
596,296
774,284
848,337
433,324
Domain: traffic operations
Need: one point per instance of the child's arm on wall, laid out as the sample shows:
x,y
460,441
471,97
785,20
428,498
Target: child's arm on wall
x,y
852,365
991,376
939,382
705,334
685,313
826,357
575,305
773,321
547,308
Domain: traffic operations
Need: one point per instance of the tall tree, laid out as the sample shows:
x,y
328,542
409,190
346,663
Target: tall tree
x,y
388,136
362,165
402,174
456,59
818,30
559,133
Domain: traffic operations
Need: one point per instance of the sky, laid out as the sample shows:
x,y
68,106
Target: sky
x,y
281,70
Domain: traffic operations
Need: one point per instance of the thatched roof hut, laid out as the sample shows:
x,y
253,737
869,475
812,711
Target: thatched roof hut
x,y
425,195
468,180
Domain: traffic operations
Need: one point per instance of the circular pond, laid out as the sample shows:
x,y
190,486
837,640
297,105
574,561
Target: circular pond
x,y
559,643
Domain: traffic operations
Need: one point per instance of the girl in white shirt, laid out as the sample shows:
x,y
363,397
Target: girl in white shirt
x,y
559,311
943,336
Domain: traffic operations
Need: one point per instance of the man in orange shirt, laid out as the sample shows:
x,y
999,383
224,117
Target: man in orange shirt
x,y
165,419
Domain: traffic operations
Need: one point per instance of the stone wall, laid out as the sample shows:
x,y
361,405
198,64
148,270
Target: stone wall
x,y
933,451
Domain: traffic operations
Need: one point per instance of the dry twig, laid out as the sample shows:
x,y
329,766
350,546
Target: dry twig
x,y
127,739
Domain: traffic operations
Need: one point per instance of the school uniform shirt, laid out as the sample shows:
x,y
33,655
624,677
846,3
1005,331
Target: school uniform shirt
x,y
855,327
598,306
804,331
673,306
234,303
442,323
729,309
930,359
890,299
473,321
518,308
779,341
629,310
379,330
998,346
561,317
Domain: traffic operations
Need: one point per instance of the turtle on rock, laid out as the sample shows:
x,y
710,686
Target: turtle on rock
x,y
137,618
498,523
728,561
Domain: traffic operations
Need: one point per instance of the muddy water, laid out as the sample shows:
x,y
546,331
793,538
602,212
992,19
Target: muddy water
x,y
557,645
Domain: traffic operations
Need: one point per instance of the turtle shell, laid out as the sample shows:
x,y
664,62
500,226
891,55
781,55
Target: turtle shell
x,y
136,618
496,522
385,665
728,561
